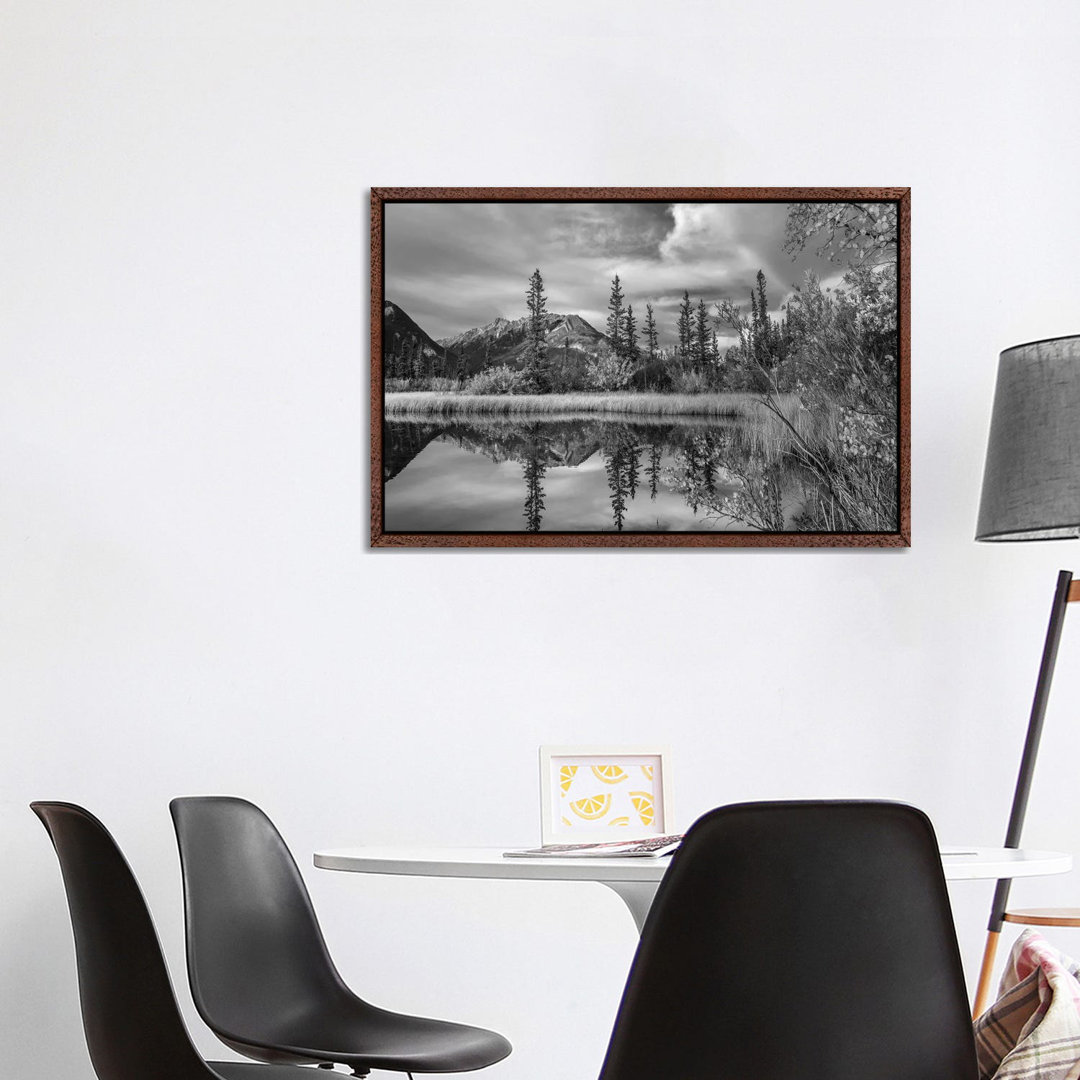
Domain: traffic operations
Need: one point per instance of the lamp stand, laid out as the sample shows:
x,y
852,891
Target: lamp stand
x,y
1066,591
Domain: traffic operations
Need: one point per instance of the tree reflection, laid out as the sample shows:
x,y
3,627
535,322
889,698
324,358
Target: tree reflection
x,y
698,458
534,469
652,470
632,464
724,474
621,451
615,466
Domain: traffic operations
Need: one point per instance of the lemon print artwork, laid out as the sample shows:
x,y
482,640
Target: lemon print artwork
x,y
601,793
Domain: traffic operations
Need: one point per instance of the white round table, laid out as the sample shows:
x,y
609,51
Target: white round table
x,y
636,879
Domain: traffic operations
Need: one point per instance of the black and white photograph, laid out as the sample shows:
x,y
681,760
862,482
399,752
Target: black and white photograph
x,y
724,370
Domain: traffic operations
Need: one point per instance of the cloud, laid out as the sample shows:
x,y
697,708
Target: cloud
x,y
453,266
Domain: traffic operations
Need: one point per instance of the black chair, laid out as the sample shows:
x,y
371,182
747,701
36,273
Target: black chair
x,y
133,1026
260,973
798,941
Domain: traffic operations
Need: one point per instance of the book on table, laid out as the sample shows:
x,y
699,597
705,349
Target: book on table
x,y
649,847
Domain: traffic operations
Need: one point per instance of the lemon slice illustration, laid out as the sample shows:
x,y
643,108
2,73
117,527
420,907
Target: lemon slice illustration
x,y
643,804
609,774
592,808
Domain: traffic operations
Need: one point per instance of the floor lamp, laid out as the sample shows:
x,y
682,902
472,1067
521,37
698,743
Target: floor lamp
x,y
1031,491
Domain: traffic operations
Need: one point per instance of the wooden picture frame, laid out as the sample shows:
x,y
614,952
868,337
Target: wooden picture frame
x,y
811,454
591,794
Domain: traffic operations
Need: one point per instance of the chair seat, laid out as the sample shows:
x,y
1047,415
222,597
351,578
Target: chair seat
x,y
364,1037
245,1070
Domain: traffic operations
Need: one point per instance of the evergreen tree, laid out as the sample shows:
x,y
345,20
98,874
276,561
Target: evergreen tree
x,y
650,333
701,336
536,365
615,318
685,326
392,358
784,338
630,333
761,324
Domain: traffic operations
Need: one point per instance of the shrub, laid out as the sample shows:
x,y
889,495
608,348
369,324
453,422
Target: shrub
x,y
608,372
689,381
653,376
442,385
568,372
497,380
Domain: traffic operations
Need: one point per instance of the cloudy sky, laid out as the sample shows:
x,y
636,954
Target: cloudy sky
x,y
453,266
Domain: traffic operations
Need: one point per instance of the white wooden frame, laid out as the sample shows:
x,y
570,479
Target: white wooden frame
x,y
553,821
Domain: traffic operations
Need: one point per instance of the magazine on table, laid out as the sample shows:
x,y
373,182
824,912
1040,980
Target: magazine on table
x,y
649,847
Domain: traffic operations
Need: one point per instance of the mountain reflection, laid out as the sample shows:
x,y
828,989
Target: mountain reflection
x,y
680,475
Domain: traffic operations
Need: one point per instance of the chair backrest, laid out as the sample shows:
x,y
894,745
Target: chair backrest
x,y
798,941
132,1022
255,951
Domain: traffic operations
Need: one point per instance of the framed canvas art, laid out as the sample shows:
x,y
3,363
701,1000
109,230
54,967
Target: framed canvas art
x,y
596,793
640,367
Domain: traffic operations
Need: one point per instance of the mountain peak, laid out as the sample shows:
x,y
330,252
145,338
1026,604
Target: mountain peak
x,y
505,341
407,344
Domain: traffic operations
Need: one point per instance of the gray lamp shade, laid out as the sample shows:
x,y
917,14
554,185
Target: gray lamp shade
x,y
1031,485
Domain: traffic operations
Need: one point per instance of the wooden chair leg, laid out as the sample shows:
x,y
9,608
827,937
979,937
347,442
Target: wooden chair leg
x,y
982,992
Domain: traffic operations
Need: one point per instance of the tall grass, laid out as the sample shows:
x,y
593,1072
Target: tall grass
x,y
767,431
787,428
429,404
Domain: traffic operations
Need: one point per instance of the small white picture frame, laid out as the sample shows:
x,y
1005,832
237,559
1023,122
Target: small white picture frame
x,y
590,794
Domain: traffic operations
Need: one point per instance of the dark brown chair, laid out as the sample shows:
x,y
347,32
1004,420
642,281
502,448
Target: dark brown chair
x,y
133,1026
259,969
798,941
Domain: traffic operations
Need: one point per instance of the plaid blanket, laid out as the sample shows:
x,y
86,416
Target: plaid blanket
x,y
1032,1031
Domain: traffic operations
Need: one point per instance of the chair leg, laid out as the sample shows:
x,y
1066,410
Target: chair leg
x,y
982,992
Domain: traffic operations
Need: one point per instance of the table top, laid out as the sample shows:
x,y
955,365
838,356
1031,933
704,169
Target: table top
x,y
960,863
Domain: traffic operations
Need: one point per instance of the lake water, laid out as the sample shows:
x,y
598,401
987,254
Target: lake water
x,y
579,475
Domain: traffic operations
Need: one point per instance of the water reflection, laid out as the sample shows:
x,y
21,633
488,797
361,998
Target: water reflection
x,y
535,468
582,475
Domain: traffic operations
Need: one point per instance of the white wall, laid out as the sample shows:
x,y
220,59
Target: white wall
x,y
187,602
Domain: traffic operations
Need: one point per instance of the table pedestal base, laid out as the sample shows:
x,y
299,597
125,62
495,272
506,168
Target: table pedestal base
x,y
637,896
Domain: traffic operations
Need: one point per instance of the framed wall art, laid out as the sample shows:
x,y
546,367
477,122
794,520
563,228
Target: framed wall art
x,y
640,367
596,793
